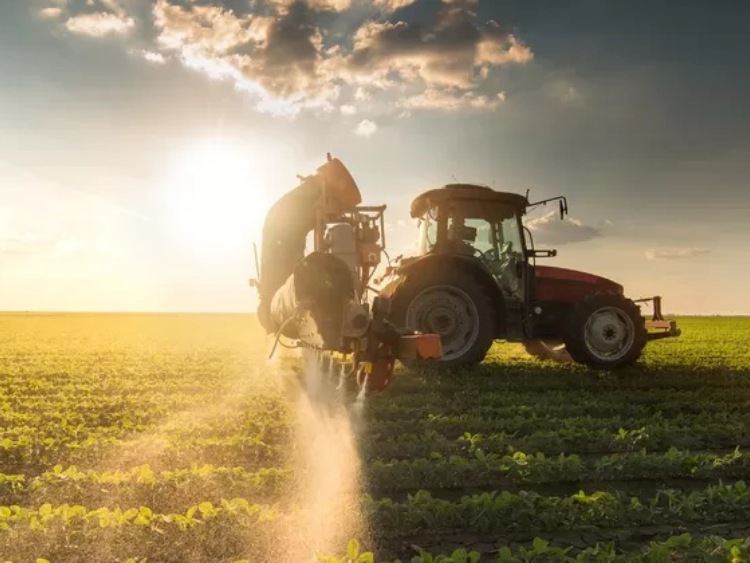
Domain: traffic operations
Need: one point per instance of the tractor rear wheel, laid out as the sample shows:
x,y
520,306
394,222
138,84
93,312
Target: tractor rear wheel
x,y
453,305
547,350
606,331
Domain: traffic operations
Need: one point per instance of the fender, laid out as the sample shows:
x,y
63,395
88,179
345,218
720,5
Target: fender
x,y
426,265
563,285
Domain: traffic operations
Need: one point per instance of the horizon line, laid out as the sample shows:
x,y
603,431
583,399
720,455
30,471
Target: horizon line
x,y
31,312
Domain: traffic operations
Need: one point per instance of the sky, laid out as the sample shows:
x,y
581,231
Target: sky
x,y
142,142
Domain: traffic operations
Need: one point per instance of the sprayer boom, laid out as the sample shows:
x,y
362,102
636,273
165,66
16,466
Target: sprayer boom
x,y
319,299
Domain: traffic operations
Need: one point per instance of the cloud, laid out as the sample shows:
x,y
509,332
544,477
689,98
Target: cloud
x,y
668,253
452,51
151,56
366,128
348,109
51,12
452,99
99,24
550,229
275,57
391,6
319,5
288,54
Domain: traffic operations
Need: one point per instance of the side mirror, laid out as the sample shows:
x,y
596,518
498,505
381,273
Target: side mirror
x,y
469,234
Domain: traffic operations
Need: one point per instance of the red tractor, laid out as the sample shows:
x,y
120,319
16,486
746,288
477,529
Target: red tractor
x,y
475,280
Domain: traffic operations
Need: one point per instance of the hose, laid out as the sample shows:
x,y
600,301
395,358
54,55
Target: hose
x,y
277,338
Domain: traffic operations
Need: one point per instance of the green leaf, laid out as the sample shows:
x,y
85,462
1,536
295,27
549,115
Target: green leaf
x,y
130,513
352,549
505,554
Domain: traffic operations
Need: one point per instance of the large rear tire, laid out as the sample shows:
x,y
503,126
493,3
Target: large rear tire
x,y
605,331
453,305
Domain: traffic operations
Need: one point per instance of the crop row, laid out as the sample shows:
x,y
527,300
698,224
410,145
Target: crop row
x,y
481,470
467,398
66,431
99,399
171,489
562,408
454,438
490,512
502,511
534,422
484,470
494,470
28,454
707,549
531,378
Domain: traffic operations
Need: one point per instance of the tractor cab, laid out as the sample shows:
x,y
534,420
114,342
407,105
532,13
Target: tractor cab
x,y
476,222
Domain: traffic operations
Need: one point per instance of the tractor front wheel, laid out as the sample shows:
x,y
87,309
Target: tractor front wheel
x,y
453,305
606,331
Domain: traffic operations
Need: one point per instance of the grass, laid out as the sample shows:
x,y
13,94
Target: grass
x,y
173,438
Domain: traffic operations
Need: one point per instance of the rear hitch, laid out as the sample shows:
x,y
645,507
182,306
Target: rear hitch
x,y
387,343
661,327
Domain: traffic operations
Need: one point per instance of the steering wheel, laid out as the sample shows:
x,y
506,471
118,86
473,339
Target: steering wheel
x,y
490,255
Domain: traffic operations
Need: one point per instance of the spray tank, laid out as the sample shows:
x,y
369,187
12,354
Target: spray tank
x,y
320,299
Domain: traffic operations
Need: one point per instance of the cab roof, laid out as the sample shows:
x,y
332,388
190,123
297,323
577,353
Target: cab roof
x,y
465,192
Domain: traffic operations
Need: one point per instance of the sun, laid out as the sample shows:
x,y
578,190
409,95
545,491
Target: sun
x,y
215,195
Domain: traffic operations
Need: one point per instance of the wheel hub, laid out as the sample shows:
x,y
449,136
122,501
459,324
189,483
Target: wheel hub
x,y
609,333
449,312
441,320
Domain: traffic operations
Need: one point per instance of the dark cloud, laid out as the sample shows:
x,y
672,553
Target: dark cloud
x,y
452,51
287,61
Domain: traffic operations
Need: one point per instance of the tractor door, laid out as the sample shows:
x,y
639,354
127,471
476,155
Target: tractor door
x,y
491,232
511,273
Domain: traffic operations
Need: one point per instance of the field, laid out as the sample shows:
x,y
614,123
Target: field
x,y
172,438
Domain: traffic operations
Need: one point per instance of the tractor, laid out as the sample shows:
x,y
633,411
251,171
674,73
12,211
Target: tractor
x,y
474,280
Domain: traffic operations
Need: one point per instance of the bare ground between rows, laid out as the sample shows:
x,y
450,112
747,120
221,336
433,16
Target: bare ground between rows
x,y
626,539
